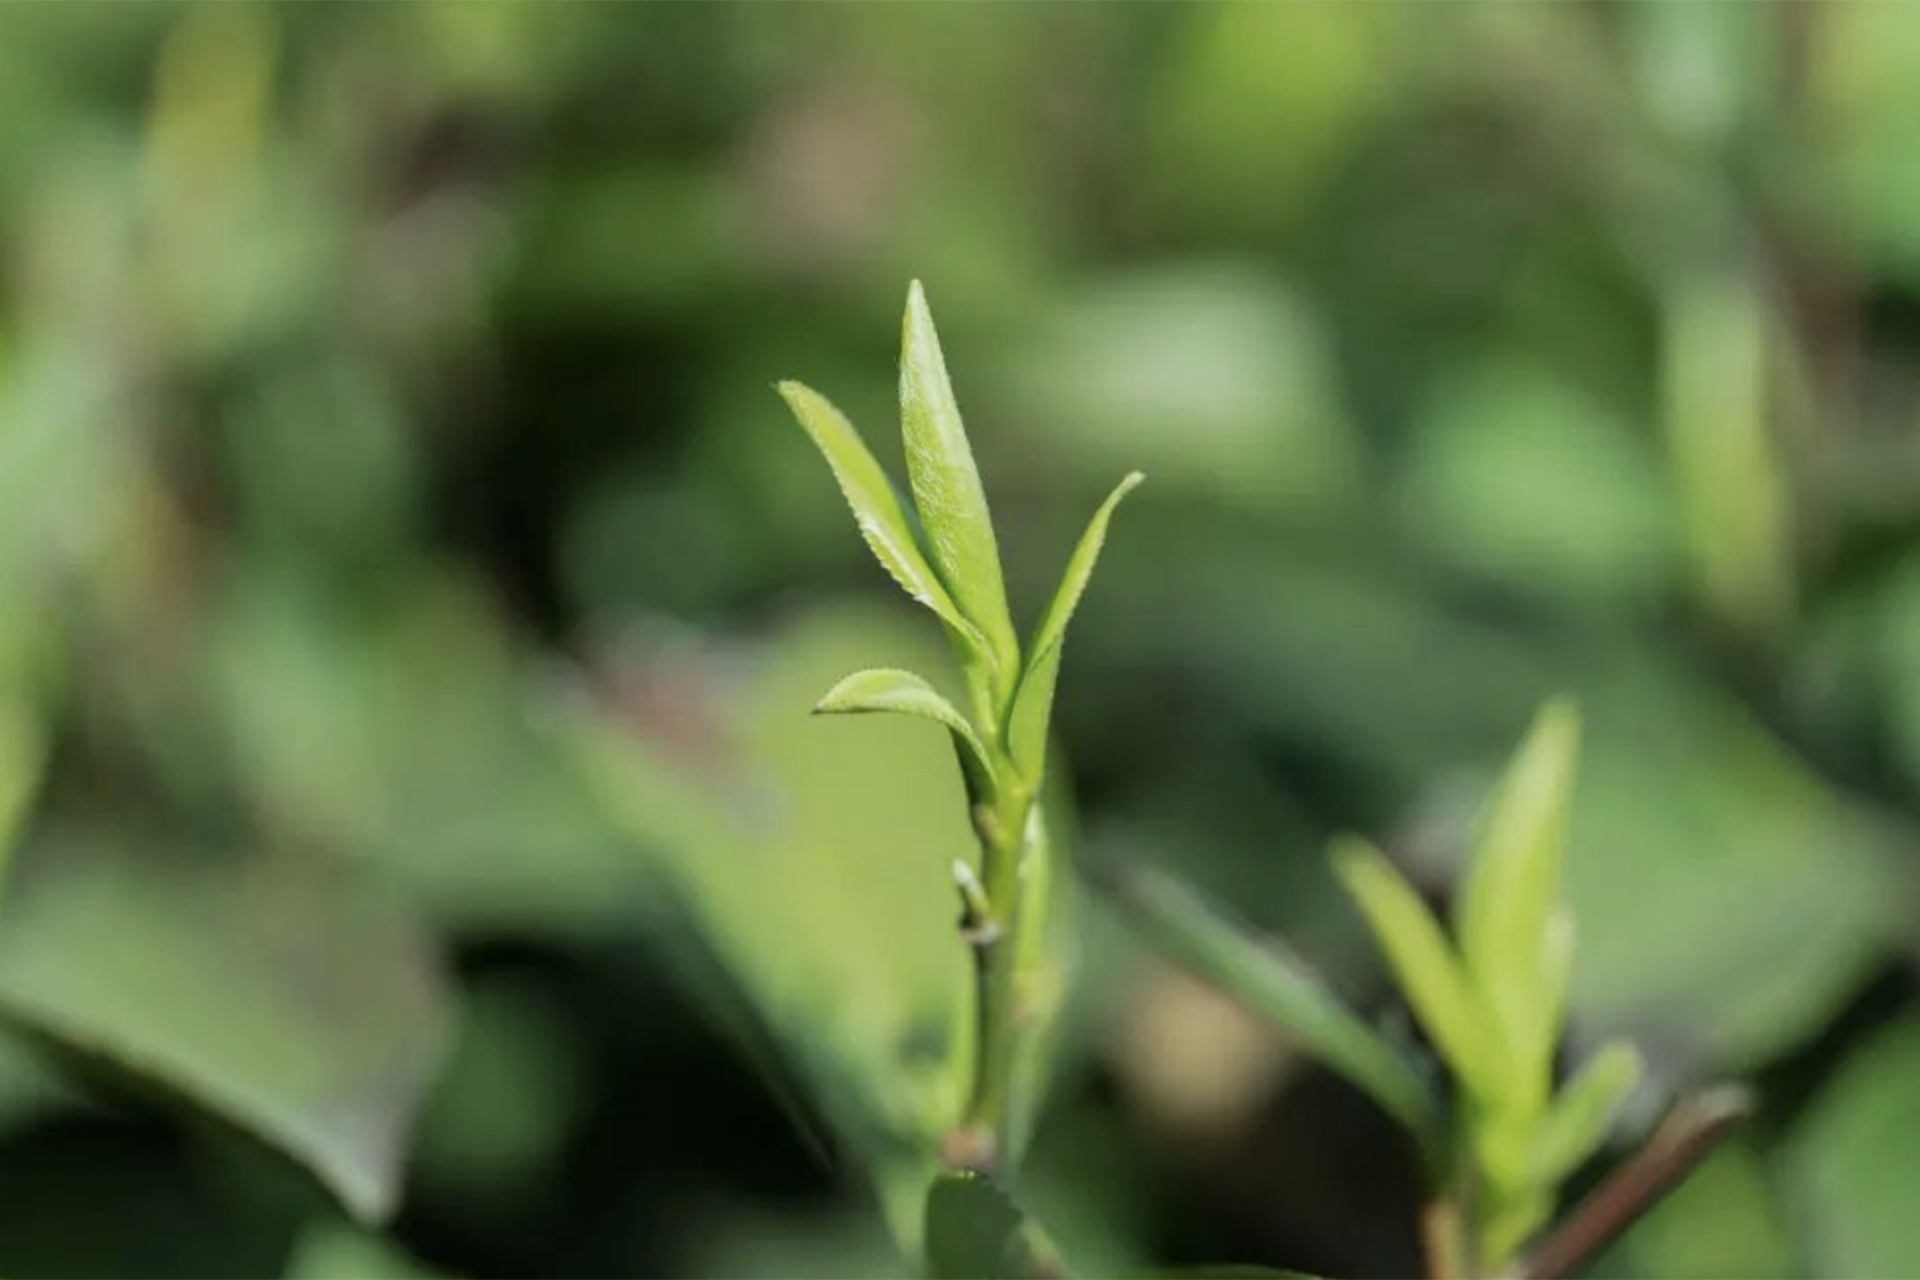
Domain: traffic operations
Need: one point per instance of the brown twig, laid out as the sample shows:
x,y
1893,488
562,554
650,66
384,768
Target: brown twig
x,y
1692,1129
1441,1242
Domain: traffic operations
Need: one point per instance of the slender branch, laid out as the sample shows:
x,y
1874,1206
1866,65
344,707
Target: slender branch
x,y
1691,1130
1442,1242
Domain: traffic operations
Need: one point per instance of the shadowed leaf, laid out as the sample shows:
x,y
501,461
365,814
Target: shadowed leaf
x,y
976,1232
268,992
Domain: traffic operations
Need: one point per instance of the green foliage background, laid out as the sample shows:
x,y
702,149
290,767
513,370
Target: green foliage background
x,y
412,590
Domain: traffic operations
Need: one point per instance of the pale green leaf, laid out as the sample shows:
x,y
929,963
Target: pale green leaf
x,y
946,487
904,693
279,994
1033,704
1578,1121
1273,983
1513,884
876,506
1428,974
976,1232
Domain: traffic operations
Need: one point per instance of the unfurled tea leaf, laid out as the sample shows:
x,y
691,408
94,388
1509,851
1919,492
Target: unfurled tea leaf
x,y
946,488
1033,704
876,507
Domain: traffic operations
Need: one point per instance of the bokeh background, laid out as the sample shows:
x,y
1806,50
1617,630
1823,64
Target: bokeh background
x,y
411,592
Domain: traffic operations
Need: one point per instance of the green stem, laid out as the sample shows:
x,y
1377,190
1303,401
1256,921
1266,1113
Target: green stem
x,y
991,1109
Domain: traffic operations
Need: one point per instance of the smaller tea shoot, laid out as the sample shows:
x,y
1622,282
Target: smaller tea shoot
x,y
1501,1135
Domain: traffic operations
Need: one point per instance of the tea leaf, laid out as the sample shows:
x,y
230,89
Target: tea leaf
x,y
1033,703
876,506
976,1232
946,487
1429,976
888,689
1577,1123
271,992
1272,982
1513,884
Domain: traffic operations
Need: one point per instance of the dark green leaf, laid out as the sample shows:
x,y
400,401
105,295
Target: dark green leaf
x,y
1854,1159
976,1232
269,992
946,487
1033,704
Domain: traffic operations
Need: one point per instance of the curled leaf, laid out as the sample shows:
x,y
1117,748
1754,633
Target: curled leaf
x,y
903,692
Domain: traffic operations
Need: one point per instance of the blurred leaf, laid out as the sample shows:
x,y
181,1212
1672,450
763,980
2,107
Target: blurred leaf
x,y
908,694
1512,888
339,1252
1722,1220
1715,338
1577,1122
976,1232
946,488
834,920
269,992
1275,984
1424,966
1519,472
1854,1158
1863,95
876,507
22,752
1033,702
1213,374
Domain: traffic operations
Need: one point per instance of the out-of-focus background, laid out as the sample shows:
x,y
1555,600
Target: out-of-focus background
x,y
411,593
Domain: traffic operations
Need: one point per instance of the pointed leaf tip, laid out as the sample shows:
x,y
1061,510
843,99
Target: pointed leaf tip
x,y
1424,966
946,486
882,521
1580,1118
1032,713
1512,890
